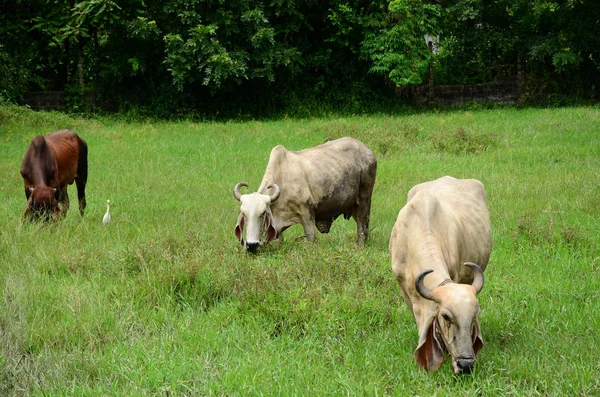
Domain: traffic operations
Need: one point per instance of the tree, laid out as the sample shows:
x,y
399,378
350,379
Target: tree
x,y
395,44
550,41
226,42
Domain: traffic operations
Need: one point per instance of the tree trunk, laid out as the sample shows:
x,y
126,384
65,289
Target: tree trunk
x,y
520,77
64,67
80,66
430,87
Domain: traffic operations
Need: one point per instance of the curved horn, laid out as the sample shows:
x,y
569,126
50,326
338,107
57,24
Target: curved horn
x,y
421,288
275,194
236,190
478,279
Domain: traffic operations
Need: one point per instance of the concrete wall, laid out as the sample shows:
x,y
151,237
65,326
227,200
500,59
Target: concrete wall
x,y
54,100
494,92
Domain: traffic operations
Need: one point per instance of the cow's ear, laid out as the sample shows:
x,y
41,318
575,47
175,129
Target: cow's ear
x,y
239,228
269,228
429,354
476,337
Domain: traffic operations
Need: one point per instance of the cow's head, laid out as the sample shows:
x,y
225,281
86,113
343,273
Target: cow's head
x,y
255,214
42,203
455,328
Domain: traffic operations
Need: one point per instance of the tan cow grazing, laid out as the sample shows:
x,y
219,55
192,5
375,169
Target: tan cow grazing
x,y
442,231
311,187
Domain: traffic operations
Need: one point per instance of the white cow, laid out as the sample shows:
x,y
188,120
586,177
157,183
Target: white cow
x,y
443,232
311,187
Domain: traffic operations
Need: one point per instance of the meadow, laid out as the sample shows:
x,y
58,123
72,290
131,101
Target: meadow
x,y
164,301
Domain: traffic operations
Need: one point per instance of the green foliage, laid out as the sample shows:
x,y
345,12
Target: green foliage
x,y
250,58
396,42
10,77
205,49
481,41
88,17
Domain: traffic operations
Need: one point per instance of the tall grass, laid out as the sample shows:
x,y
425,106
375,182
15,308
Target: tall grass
x,y
164,301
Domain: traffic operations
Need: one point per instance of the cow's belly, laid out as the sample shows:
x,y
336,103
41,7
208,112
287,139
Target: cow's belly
x,y
334,208
326,214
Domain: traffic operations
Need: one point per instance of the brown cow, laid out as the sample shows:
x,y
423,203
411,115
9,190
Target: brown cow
x,y
50,164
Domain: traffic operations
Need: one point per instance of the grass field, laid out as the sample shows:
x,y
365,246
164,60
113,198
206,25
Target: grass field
x,y
165,302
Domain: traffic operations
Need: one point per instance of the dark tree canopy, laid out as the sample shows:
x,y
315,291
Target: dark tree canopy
x,y
205,55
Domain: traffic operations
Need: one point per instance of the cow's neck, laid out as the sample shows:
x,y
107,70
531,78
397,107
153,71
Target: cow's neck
x,y
430,256
44,166
283,215
39,177
268,179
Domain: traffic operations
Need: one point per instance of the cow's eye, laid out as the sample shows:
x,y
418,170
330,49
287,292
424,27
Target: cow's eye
x,y
447,319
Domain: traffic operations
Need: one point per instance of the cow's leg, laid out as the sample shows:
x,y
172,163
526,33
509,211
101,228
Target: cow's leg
x,y
63,199
362,214
309,230
362,211
82,174
81,196
308,222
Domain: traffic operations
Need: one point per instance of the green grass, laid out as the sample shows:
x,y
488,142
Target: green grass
x,y
164,301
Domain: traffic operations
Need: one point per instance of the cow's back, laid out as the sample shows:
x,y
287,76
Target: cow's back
x,y
454,212
336,170
341,154
463,221
453,190
66,145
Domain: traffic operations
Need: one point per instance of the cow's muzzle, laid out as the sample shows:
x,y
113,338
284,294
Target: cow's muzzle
x,y
252,247
463,366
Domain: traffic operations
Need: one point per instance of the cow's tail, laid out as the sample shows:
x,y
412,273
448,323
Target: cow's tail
x,y
82,166
82,174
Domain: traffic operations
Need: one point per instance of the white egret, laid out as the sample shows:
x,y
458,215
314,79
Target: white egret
x,y
106,219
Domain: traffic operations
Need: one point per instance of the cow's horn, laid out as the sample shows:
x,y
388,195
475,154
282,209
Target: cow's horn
x,y
276,192
478,279
420,286
236,190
